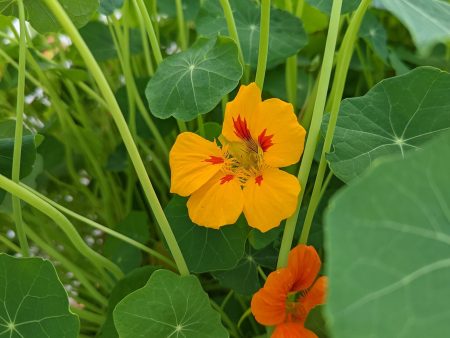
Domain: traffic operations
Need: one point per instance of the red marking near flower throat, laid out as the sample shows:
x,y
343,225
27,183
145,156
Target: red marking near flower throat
x,y
240,128
214,159
258,180
265,141
226,178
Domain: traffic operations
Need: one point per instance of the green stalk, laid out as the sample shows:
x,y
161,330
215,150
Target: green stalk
x,y
311,142
65,225
17,208
263,43
342,66
88,316
181,25
10,245
231,24
121,124
147,56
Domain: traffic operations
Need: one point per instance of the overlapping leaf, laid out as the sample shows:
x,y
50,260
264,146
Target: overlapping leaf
x,y
397,115
194,81
389,249
286,37
168,306
34,302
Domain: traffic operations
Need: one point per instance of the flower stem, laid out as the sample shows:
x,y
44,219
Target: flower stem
x,y
121,124
263,43
231,24
181,25
342,65
311,143
17,208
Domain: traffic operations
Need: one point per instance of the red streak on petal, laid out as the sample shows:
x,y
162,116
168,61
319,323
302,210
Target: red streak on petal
x,y
265,141
214,159
240,128
258,180
226,178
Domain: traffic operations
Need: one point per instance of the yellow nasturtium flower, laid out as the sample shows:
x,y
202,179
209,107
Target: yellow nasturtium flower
x,y
242,175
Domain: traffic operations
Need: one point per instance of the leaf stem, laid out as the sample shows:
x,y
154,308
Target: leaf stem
x,y
232,30
18,134
311,142
342,65
181,25
121,124
263,43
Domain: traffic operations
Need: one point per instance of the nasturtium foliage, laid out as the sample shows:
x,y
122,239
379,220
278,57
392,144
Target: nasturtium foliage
x,y
397,115
34,302
42,19
131,282
388,239
426,20
169,305
286,36
193,82
169,8
325,5
206,249
374,33
126,256
107,7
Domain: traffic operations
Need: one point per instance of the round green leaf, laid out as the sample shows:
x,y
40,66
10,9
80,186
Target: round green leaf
x,y
286,37
107,7
168,306
388,241
395,116
34,302
169,8
42,19
206,249
194,81
325,5
373,32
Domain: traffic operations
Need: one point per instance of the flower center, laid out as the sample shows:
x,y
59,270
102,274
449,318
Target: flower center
x,y
295,310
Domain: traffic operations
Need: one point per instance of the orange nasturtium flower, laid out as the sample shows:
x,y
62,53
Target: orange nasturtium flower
x,y
290,293
242,175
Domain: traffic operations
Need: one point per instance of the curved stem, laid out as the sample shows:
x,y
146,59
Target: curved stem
x,y
17,208
65,225
342,66
263,43
311,142
231,24
121,124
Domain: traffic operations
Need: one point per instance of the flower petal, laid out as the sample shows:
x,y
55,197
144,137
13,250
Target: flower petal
x,y
316,295
269,303
240,112
270,198
304,263
292,330
278,133
193,161
217,203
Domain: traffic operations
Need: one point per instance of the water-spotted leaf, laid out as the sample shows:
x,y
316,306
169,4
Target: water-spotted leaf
x,y
168,306
395,116
194,81
42,19
131,282
325,5
107,7
206,249
34,302
388,245
286,37
426,20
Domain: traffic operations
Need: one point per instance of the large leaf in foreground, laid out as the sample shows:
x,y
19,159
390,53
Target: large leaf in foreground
x,y
388,245
426,20
42,19
286,37
168,306
194,81
396,115
34,302
206,249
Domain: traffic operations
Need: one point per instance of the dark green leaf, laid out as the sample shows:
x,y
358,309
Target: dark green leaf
x,y
325,5
168,306
388,239
194,81
190,8
286,37
206,249
395,116
373,32
107,7
34,302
